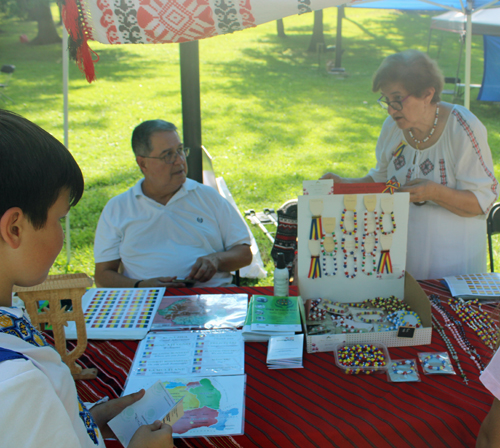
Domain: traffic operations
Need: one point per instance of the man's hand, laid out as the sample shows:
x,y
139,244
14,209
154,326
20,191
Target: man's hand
x,y
156,435
205,268
161,282
104,412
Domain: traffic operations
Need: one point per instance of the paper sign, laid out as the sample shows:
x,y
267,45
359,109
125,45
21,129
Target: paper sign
x,y
157,404
322,186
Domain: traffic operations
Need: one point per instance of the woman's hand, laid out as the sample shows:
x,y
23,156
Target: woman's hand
x,y
156,435
336,178
420,190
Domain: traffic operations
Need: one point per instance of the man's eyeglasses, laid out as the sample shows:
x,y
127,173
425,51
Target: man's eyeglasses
x,y
171,156
396,105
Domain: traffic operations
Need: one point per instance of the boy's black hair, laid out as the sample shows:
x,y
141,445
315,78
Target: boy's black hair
x,y
34,168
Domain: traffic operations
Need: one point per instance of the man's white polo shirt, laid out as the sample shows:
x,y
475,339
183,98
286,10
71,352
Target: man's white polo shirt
x,y
155,240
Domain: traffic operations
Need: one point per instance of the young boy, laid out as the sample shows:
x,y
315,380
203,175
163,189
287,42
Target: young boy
x,y
39,406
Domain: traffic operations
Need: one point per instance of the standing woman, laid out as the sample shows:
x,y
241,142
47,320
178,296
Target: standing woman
x,y
439,153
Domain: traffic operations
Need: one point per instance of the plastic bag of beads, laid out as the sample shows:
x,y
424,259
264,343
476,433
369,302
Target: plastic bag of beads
x,y
366,359
436,363
403,370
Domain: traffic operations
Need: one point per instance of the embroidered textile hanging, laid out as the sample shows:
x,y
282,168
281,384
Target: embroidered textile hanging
x,y
168,21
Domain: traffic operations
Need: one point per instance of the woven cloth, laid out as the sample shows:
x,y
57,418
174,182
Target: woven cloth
x,y
168,21
319,406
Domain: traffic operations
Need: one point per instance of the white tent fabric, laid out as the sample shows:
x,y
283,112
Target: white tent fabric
x,y
484,21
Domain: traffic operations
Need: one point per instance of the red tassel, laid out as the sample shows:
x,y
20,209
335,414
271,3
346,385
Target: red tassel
x,y
70,18
79,48
85,61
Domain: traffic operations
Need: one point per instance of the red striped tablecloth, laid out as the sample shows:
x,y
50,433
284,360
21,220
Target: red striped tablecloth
x,y
319,406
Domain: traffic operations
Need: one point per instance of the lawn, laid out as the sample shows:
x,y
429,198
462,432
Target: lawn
x,y
271,115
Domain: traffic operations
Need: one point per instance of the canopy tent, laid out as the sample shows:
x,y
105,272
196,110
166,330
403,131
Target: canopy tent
x,y
490,87
484,22
466,7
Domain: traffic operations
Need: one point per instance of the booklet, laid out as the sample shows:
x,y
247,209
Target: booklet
x,y
118,313
206,368
156,404
285,352
201,312
258,335
482,286
271,313
130,313
182,353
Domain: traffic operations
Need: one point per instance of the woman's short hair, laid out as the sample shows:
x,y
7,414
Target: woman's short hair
x,y
141,137
414,70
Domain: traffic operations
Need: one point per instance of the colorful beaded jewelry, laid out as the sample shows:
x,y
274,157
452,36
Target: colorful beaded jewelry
x,y
342,224
418,142
476,319
388,304
457,330
405,319
440,330
346,256
334,307
379,316
381,224
438,363
316,313
361,358
373,252
409,367
326,254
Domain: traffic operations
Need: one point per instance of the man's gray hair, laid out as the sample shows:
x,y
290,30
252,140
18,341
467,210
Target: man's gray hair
x,y
141,137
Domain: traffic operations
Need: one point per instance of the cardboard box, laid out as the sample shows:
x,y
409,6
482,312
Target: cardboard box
x,y
414,296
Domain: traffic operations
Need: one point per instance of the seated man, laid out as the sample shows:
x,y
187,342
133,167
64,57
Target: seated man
x,y
167,227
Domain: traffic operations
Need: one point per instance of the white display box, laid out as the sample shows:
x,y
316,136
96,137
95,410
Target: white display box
x,y
414,296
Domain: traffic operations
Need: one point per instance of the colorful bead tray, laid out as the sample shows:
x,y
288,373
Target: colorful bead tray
x,y
354,359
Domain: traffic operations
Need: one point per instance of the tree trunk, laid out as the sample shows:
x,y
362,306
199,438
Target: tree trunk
x,y
317,35
280,27
40,12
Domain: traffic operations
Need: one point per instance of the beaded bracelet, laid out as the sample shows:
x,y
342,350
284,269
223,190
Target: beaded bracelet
x,y
379,314
407,363
435,359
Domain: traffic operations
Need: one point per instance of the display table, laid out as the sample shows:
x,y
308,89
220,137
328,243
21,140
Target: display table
x,y
319,406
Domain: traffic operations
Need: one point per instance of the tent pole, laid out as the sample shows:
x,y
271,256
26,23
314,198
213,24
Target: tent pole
x,y
468,48
65,76
191,108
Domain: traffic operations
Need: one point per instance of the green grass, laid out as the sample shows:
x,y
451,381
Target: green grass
x,y
271,116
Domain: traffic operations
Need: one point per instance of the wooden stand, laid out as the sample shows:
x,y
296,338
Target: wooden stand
x,y
55,289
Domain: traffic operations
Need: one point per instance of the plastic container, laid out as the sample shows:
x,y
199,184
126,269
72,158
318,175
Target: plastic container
x,y
361,368
281,277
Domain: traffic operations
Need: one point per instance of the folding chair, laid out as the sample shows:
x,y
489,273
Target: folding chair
x,y
8,70
492,228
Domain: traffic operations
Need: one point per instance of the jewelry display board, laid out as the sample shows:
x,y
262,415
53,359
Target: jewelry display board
x,y
352,247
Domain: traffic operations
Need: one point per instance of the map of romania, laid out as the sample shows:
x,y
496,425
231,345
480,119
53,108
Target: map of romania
x,y
202,401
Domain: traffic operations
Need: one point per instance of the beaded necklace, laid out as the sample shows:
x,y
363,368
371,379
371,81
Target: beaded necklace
x,y
440,330
373,252
332,254
458,332
476,319
348,253
418,142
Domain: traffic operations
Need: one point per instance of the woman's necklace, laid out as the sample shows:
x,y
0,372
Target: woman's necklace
x,y
418,142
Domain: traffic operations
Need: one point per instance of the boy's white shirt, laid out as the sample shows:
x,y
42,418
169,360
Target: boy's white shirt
x,y
39,406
